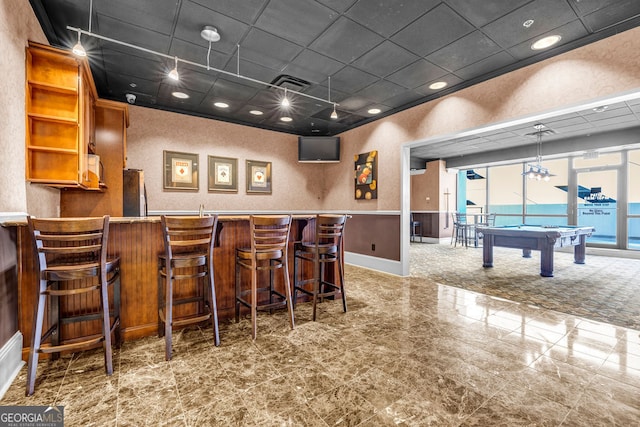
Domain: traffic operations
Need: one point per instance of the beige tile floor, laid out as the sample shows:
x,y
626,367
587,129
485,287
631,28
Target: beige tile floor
x,y
409,352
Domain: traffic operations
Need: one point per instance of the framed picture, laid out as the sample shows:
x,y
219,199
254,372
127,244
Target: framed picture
x,y
223,174
366,175
180,171
258,177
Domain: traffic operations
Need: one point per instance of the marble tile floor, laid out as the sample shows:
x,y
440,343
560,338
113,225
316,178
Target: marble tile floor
x,y
409,352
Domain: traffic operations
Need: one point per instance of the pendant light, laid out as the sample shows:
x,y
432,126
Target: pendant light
x,y
173,74
78,49
285,101
536,170
334,115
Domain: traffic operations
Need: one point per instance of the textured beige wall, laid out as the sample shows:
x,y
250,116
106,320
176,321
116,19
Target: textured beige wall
x,y
18,24
295,186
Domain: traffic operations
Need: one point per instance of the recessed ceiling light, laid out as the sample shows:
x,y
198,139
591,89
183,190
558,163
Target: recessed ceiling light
x,y
180,95
437,85
528,23
601,108
133,85
256,112
374,111
286,119
546,42
221,104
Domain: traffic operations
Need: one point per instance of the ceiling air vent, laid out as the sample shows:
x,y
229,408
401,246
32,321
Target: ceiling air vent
x,y
290,82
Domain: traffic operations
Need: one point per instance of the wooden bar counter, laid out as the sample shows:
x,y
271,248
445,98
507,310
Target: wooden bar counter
x,y
138,242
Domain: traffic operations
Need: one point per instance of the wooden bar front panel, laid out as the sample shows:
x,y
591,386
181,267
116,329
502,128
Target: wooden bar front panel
x,y
138,242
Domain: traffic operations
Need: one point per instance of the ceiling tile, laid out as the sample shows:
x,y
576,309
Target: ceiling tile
x,y
387,17
381,90
268,50
333,42
312,66
300,21
547,14
197,54
246,10
401,99
613,12
338,5
480,13
434,30
128,33
465,51
417,74
385,58
351,80
154,15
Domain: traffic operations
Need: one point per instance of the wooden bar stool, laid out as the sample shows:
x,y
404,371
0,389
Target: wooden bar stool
x,y
73,264
325,249
268,252
186,262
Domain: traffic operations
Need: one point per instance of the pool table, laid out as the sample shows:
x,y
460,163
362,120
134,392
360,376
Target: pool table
x,y
535,237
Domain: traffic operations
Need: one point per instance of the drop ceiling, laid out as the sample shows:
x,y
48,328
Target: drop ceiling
x,y
381,54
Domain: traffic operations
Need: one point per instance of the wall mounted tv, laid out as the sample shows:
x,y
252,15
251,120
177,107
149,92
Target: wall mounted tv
x,y
318,149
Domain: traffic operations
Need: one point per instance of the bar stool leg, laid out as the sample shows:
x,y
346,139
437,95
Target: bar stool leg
x,y
36,337
106,324
254,303
214,307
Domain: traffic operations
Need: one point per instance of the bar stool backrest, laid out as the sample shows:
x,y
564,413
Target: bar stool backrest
x,y
329,232
270,236
77,244
189,234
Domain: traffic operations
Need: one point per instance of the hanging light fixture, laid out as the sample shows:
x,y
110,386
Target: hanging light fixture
x,y
334,115
285,101
78,49
173,74
536,170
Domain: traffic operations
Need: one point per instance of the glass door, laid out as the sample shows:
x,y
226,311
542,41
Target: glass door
x,y
597,204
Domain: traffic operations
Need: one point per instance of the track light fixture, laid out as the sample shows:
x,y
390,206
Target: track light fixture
x,y
173,74
78,49
334,115
209,34
285,101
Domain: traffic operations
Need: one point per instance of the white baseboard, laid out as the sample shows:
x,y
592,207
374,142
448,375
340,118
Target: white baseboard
x,y
10,362
373,263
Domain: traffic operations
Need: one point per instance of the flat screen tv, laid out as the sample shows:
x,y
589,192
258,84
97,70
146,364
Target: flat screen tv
x,y
319,149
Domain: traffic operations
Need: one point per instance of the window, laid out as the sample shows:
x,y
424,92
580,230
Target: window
x,y
546,201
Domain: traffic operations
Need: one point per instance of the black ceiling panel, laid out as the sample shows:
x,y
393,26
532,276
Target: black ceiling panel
x,y
471,48
385,58
388,17
346,40
300,21
382,54
433,31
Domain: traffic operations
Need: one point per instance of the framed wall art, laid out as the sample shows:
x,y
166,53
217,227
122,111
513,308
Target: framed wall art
x,y
223,174
366,175
180,171
258,177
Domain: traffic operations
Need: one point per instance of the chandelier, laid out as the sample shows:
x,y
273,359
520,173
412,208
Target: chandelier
x,y
536,170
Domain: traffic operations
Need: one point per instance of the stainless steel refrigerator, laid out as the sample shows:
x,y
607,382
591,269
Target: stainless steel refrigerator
x,y
134,200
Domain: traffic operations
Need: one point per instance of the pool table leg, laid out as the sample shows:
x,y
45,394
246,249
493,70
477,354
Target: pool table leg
x,y
546,261
580,250
526,253
487,251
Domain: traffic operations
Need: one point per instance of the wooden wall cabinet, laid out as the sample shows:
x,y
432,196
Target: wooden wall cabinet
x,y
60,98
